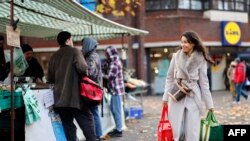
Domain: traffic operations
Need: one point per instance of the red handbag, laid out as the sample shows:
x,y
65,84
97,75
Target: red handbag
x,y
165,132
91,92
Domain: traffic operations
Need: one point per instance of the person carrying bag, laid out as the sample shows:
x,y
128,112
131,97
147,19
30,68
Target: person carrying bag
x,y
164,132
187,88
210,129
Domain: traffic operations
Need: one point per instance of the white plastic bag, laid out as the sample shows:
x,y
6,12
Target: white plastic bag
x,y
19,62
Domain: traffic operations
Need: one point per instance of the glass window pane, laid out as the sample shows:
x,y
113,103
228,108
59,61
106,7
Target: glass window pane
x,y
239,5
196,4
206,5
168,4
153,4
248,6
160,4
218,4
229,5
184,4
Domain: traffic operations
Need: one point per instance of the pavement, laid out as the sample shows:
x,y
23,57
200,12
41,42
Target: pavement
x,y
145,129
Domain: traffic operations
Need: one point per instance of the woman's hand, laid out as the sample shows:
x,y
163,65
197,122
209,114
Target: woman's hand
x,y
211,110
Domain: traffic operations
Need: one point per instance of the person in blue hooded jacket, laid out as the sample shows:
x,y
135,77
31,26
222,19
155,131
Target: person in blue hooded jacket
x,y
94,72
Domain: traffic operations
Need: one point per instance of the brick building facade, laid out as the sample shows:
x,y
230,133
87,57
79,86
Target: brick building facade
x,y
166,20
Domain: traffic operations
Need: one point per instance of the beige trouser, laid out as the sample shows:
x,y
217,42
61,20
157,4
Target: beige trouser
x,y
232,88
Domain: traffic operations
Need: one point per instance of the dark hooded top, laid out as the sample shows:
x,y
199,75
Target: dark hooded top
x,y
92,59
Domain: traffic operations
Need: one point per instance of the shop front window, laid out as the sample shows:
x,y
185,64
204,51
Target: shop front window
x,y
160,61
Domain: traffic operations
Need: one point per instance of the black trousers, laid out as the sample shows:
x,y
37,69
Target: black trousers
x,y
84,119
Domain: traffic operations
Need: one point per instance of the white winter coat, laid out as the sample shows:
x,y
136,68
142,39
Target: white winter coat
x,y
187,112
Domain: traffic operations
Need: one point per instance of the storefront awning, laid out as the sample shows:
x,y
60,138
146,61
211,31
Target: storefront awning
x,y
45,18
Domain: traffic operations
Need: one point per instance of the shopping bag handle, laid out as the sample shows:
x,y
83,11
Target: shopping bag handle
x,y
211,119
164,112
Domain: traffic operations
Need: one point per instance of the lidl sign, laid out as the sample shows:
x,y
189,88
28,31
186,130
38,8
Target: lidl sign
x,y
230,33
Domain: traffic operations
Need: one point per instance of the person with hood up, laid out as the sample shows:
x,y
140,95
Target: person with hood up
x,y
114,77
94,72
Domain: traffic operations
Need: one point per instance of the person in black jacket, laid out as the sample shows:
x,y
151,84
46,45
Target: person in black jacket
x,y
34,70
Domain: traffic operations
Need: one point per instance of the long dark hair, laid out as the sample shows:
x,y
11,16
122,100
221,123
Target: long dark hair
x,y
192,37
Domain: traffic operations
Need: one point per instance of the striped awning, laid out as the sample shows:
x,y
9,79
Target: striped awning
x,y
46,18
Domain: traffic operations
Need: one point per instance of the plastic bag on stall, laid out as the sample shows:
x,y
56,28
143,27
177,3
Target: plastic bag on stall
x,y
19,62
32,111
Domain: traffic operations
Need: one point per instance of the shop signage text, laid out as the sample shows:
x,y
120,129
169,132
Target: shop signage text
x,y
230,33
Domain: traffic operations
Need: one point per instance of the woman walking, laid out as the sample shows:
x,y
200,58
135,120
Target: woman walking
x,y
189,64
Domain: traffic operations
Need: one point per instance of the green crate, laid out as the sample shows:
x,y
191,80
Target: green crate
x,y
5,100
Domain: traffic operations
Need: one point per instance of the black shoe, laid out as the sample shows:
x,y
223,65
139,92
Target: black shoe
x,y
115,133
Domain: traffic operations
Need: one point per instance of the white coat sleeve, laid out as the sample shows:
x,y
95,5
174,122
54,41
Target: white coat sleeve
x,y
204,86
169,79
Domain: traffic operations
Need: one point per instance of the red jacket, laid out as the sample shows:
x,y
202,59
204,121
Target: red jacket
x,y
239,74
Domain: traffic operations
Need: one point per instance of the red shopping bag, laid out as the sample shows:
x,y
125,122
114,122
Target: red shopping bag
x,y
164,127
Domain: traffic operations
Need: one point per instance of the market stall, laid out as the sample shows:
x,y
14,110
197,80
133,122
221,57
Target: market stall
x,y
43,129
36,131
